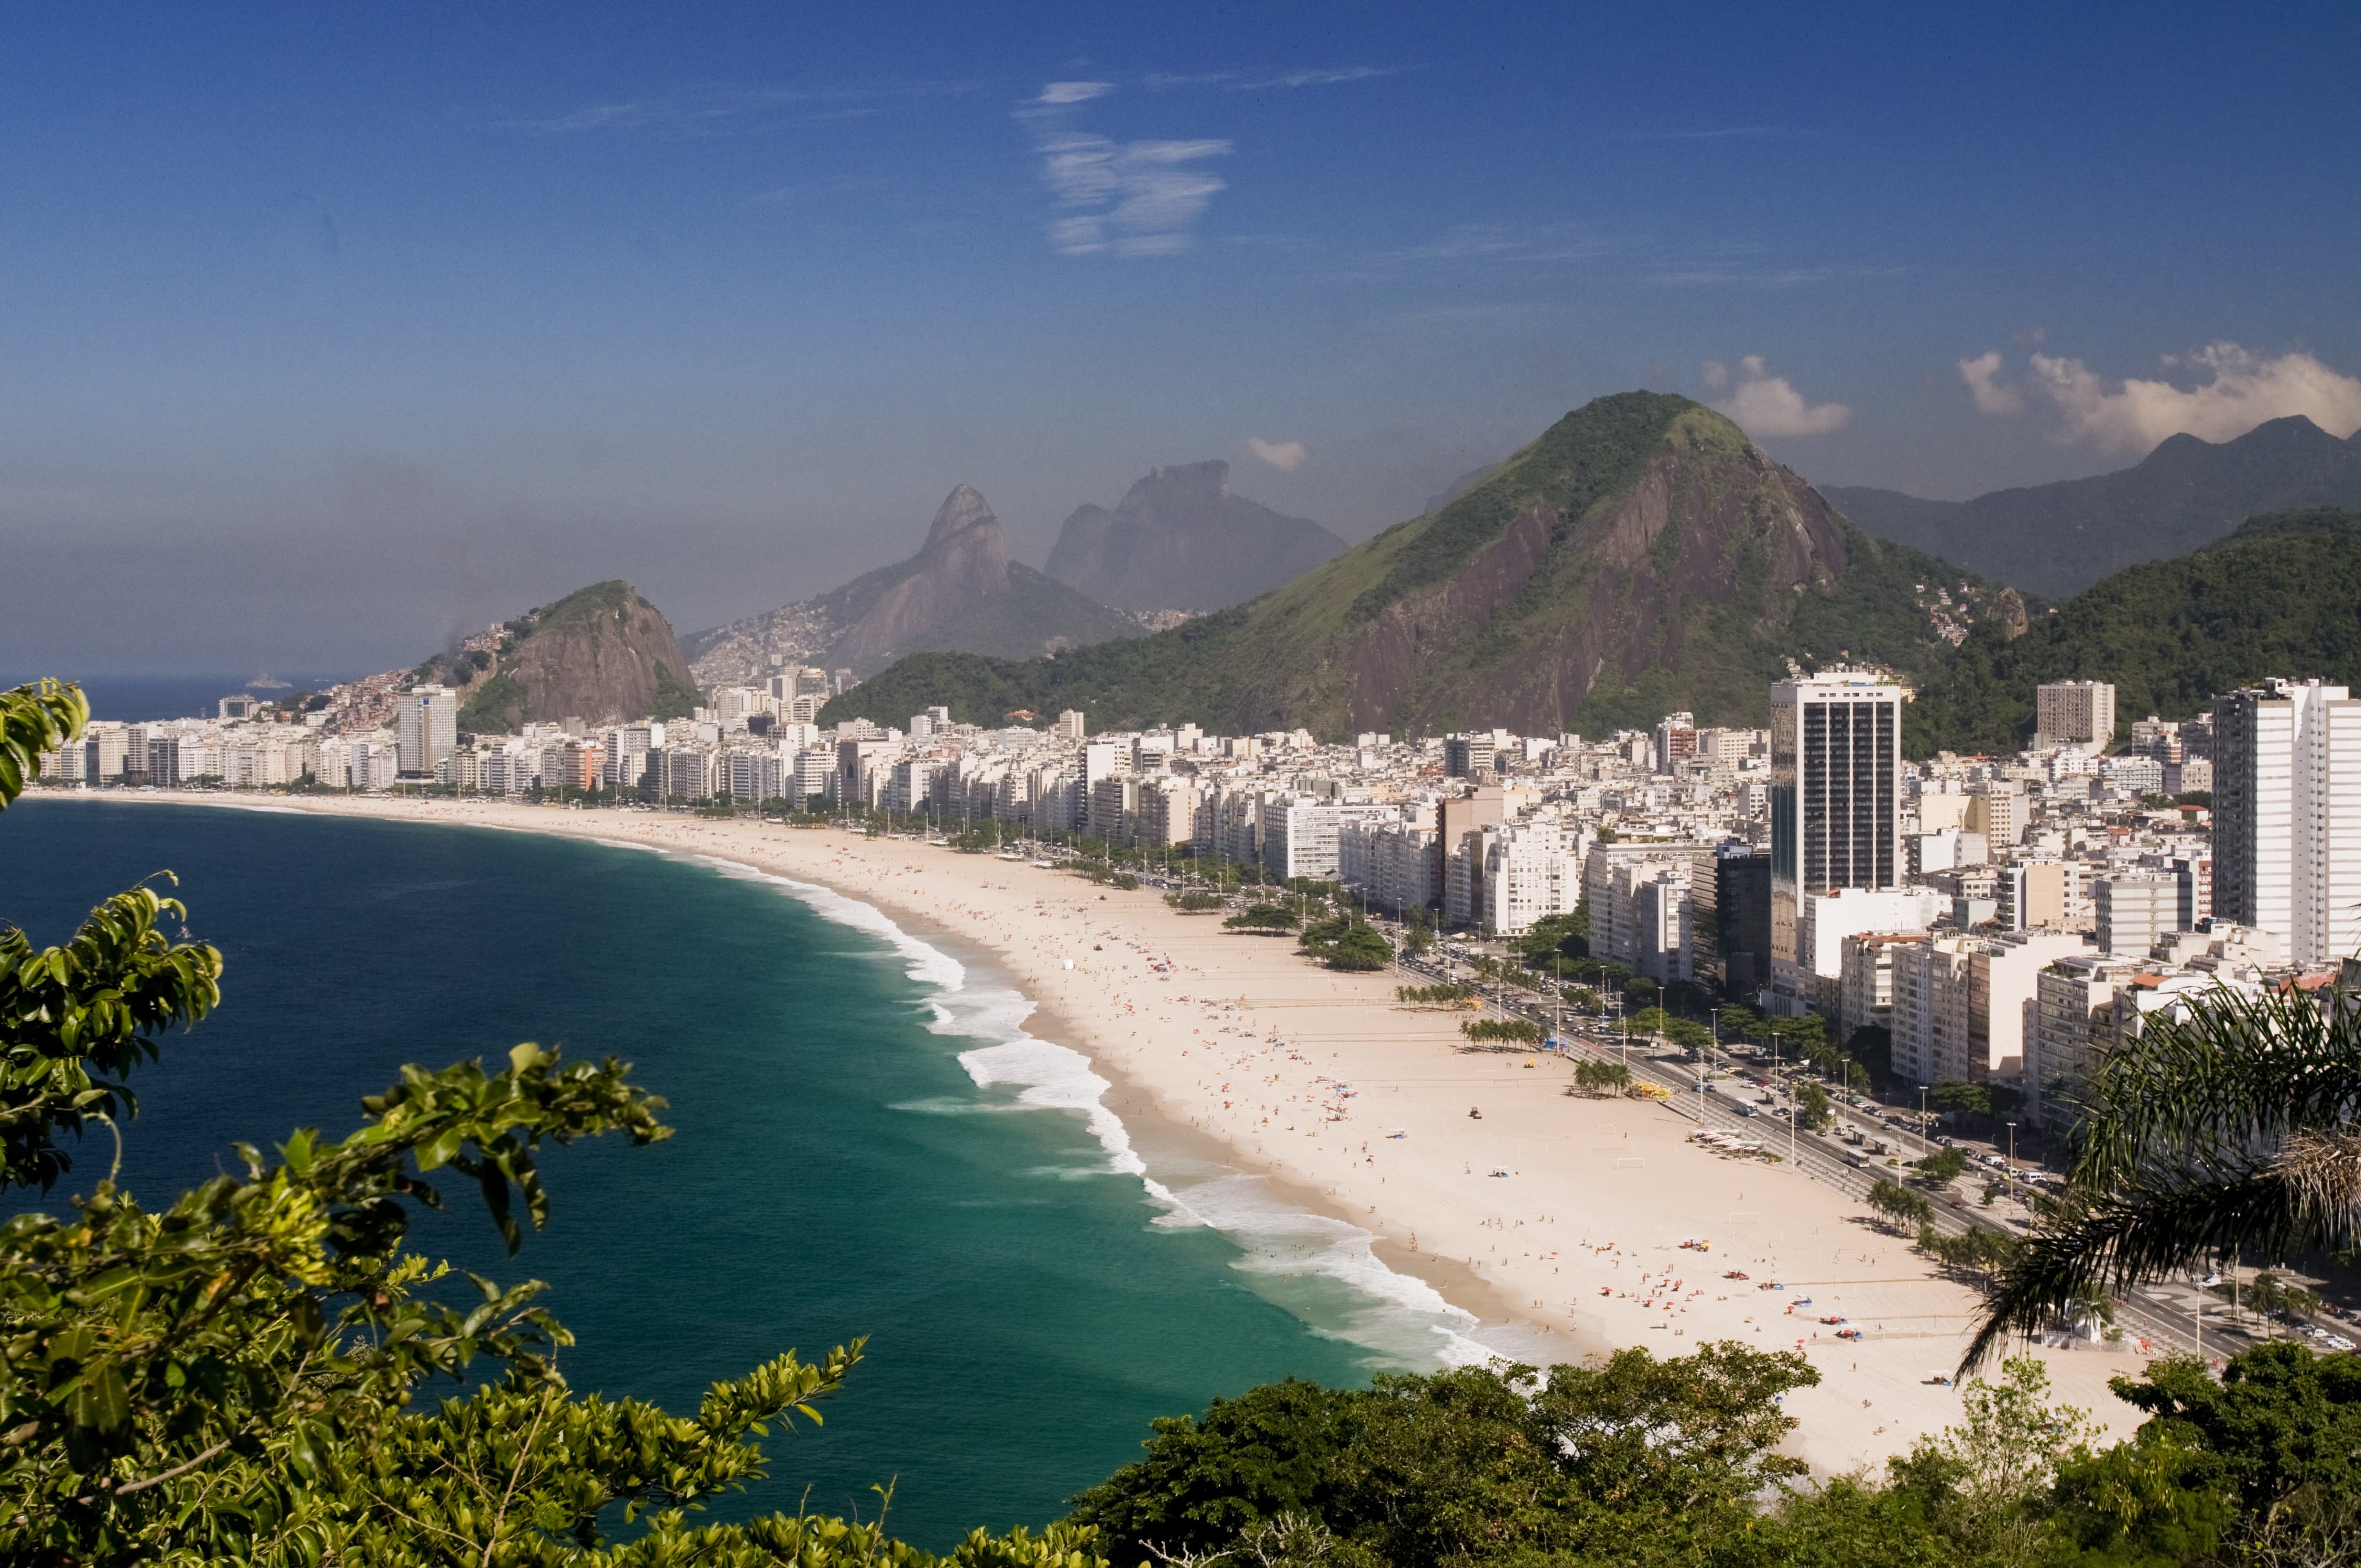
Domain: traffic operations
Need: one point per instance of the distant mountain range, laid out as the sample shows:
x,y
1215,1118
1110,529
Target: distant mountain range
x,y
960,592
2059,538
1642,556
1181,539
600,654
2281,595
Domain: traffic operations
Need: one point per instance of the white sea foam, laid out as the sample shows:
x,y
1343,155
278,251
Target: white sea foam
x,y
1397,1314
926,964
1279,1238
626,844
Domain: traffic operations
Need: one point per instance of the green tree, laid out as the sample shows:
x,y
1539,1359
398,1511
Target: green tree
x,y
1942,1168
1981,1484
1813,1106
1349,942
1511,1031
246,1376
2205,1137
1596,1077
1903,1209
1473,1465
1962,1100
1690,1034
1262,917
1649,1021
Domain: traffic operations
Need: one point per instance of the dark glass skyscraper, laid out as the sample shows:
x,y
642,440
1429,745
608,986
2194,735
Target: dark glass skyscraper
x,y
1836,793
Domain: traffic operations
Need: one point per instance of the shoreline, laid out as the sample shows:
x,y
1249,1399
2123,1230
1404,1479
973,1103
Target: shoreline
x,y
1565,1228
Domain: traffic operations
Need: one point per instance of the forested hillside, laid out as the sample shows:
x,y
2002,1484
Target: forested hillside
x,y
2281,596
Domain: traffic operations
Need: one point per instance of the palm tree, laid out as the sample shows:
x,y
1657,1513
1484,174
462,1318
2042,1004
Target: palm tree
x,y
2227,1131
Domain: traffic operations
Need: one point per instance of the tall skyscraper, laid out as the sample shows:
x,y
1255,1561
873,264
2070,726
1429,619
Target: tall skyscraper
x,y
1836,793
2287,815
2074,713
426,729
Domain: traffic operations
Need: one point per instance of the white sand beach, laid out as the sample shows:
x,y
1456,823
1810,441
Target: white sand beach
x,y
1582,1237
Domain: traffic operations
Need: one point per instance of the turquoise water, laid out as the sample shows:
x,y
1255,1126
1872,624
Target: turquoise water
x,y
867,1144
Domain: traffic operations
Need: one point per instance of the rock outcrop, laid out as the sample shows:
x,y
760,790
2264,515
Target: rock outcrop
x,y
598,654
1182,539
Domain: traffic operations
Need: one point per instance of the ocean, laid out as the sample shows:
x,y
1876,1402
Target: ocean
x,y
868,1143
137,698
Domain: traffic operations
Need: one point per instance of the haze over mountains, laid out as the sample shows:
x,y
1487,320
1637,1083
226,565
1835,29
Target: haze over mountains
x,y
1643,555
1181,539
961,591
2059,538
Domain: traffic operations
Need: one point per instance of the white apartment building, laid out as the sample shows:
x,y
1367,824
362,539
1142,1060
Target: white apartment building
x,y
1392,864
426,729
1964,1006
1530,875
2287,815
2074,713
2134,910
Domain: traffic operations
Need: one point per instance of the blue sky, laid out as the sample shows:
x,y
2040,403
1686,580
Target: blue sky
x,y
329,330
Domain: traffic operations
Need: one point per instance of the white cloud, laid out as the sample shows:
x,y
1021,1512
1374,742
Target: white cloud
x,y
1286,457
1983,376
1258,81
1765,404
1715,374
1136,198
2240,391
1074,92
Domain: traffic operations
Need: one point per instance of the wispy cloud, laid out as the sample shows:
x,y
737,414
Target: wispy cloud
x,y
1074,92
2235,389
1286,457
1267,80
1722,133
1504,242
1135,198
730,111
1765,404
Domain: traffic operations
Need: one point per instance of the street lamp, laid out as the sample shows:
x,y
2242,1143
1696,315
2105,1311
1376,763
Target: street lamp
x,y
2011,1162
1922,1113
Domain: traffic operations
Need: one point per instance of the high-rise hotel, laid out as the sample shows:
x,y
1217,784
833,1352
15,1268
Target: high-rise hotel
x,y
1836,801
2287,815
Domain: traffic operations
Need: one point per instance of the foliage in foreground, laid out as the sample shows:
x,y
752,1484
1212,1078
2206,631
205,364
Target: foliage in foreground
x,y
1636,1461
251,1375
2227,1131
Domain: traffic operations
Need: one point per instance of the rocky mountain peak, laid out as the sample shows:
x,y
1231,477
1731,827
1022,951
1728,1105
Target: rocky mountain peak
x,y
1181,539
963,509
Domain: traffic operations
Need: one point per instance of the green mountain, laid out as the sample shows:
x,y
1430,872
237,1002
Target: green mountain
x,y
2059,538
1642,556
2281,595
602,653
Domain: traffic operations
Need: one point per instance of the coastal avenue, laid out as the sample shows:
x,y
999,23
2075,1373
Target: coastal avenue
x,y
2143,1313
